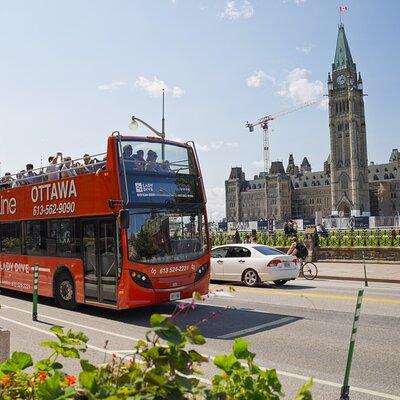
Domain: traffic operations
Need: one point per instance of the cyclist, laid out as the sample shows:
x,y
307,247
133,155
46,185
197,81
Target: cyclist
x,y
298,249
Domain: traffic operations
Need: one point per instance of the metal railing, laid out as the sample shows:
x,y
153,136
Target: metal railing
x,y
39,175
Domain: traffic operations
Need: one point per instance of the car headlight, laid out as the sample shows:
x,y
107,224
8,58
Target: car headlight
x,y
140,278
201,271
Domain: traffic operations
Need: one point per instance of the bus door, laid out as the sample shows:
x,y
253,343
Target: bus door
x,y
100,260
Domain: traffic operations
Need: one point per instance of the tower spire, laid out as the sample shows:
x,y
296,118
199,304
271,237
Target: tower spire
x,y
343,58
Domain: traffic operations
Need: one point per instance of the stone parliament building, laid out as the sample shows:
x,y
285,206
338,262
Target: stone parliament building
x,y
347,186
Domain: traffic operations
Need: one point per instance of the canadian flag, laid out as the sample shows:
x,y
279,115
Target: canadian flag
x,y
343,8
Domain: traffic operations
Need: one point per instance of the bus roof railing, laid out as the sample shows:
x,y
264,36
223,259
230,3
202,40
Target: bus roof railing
x,y
40,172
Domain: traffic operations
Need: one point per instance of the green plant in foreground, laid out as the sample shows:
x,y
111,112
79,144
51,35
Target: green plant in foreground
x,y
164,366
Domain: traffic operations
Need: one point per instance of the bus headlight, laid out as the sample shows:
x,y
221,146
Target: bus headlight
x,y
140,278
201,272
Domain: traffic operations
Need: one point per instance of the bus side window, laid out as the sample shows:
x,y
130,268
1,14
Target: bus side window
x,y
35,238
11,238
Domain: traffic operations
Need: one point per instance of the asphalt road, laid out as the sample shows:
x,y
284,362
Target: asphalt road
x,y
302,330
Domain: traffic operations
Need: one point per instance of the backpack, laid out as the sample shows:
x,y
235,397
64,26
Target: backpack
x,y
302,251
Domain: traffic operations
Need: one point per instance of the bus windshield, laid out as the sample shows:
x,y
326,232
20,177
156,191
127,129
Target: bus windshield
x,y
156,173
157,158
161,236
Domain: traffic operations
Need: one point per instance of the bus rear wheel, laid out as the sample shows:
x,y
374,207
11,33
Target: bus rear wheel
x,y
64,290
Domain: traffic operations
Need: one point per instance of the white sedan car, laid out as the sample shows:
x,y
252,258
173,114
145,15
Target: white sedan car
x,y
252,264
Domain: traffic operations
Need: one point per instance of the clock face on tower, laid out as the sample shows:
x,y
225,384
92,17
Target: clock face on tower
x,y
341,80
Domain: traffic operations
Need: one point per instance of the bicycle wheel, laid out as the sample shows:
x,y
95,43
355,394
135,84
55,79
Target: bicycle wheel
x,y
310,270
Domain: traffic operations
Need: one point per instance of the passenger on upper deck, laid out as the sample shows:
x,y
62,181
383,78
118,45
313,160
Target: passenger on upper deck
x,y
30,176
152,165
53,170
87,164
127,152
139,161
6,182
68,171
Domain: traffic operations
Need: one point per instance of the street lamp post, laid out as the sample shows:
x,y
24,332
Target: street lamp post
x,y
134,125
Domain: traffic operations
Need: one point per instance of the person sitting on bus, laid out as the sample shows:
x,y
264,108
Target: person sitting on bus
x,y
165,168
30,176
67,170
139,161
152,165
6,182
87,164
53,170
127,152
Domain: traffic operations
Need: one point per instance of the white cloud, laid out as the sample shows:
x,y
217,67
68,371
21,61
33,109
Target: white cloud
x,y
305,49
299,88
235,9
111,86
154,87
177,91
258,77
215,203
202,147
298,2
216,145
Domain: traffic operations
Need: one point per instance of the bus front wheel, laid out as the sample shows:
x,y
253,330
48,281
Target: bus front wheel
x,y
64,290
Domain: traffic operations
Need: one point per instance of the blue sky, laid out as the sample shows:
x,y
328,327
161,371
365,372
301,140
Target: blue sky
x,y
74,71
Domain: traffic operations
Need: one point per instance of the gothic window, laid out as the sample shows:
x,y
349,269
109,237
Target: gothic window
x,y
339,127
340,107
305,184
254,186
336,106
391,176
344,182
346,126
259,186
386,176
296,185
377,170
376,178
340,164
318,183
312,183
327,182
347,105
386,170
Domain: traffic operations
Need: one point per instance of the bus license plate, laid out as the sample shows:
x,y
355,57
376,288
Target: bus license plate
x,y
175,296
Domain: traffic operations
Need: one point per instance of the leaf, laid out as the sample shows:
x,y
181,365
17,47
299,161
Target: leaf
x,y
304,392
50,389
240,349
88,380
155,379
170,333
86,366
226,362
197,357
18,362
157,320
197,296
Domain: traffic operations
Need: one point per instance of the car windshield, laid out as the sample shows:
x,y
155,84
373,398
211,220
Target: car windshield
x,y
157,158
267,251
160,236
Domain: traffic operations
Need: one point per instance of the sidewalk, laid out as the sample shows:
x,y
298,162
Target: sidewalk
x,y
354,271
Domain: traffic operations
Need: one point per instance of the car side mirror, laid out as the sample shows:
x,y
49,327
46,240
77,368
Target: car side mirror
x,y
124,219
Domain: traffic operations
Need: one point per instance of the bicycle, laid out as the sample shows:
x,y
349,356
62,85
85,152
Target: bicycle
x,y
308,270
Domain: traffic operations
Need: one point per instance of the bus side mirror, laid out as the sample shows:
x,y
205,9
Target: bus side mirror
x,y
124,219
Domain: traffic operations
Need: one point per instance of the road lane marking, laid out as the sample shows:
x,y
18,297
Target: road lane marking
x,y
74,323
274,292
284,373
258,327
49,333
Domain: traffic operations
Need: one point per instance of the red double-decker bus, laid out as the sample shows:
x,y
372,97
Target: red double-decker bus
x,y
127,232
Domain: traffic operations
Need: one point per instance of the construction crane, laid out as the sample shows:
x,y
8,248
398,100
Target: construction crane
x,y
264,124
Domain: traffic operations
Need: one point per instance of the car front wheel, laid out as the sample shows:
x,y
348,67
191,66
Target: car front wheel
x,y
250,277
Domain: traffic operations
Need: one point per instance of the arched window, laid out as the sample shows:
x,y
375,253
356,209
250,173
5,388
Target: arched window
x,y
305,184
376,178
336,105
296,185
254,186
259,186
327,182
318,183
391,176
312,183
386,176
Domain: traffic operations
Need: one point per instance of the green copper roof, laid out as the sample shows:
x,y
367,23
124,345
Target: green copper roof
x,y
343,58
